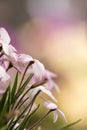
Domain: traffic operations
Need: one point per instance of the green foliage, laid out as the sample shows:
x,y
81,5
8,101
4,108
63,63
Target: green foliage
x,y
69,125
10,112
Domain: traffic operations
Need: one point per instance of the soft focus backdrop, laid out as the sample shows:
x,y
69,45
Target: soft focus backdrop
x,y
55,32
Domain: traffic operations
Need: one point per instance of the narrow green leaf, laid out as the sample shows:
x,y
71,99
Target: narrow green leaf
x,y
29,64
40,120
4,99
22,88
33,100
26,120
24,111
69,125
14,88
8,103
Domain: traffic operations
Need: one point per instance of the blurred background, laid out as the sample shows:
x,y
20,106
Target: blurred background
x,y
55,32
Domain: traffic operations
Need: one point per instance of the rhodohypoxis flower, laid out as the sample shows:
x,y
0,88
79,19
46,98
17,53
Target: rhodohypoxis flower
x,y
20,96
40,74
38,69
3,75
49,76
43,90
22,61
56,111
4,37
6,48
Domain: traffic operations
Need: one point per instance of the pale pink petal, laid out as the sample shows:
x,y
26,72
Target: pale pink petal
x,y
4,80
50,105
22,62
9,50
62,114
3,75
55,116
12,49
4,36
50,74
47,92
24,59
38,69
51,84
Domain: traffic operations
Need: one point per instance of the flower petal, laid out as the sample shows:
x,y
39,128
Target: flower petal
x,y
62,114
4,36
50,105
38,69
3,75
44,90
55,114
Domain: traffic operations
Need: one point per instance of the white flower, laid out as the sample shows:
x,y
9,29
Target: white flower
x,y
56,110
21,61
4,37
4,43
50,83
41,74
38,69
3,75
43,90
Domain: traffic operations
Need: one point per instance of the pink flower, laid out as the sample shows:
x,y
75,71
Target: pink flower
x,y
50,82
40,74
34,91
18,61
46,91
21,61
38,69
3,75
4,78
4,37
56,110
7,49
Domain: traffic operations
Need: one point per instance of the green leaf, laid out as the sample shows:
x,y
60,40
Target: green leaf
x,y
3,100
14,88
18,118
26,120
24,111
69,125
8,103
22,88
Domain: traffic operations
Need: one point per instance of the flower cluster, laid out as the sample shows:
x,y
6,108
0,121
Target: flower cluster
x,y
37,80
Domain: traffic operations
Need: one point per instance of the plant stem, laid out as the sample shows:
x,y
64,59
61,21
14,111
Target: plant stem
x,y
41,119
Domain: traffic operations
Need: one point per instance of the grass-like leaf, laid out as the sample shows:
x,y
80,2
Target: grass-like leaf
x,y
22,88
69,125
3,100
26,120
23,112
8,104
14,88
